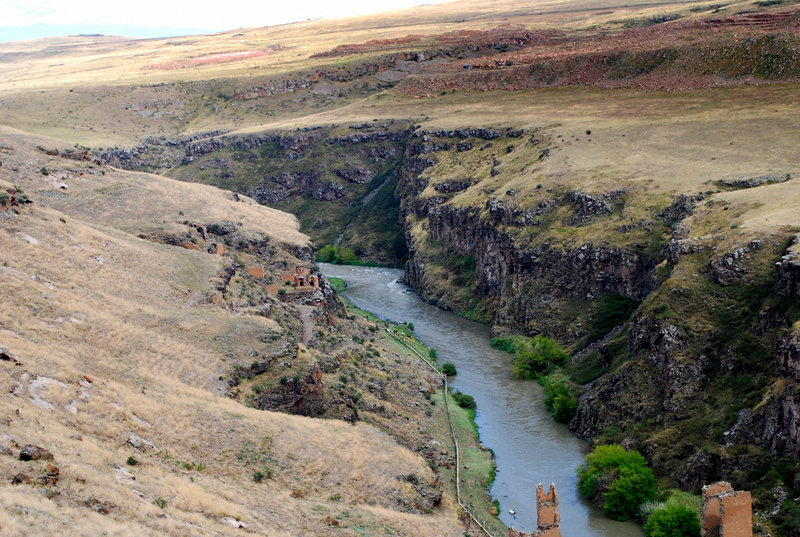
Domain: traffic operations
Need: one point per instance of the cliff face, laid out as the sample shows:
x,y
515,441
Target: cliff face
x,y
703,378
522,281
501,254
775,424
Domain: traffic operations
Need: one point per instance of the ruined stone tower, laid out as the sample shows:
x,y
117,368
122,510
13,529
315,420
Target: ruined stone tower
x,y
547,515
728,512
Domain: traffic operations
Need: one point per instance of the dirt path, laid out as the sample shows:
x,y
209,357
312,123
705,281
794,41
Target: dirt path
x,y
308,322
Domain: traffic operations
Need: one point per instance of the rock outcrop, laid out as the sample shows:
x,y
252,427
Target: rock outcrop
x,y
522,281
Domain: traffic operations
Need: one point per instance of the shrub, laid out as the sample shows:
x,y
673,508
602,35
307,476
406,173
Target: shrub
x,y
509,344
673,521
432,354
559,398
465,401
327,254
259,476
539,358
449,369
788,518
132,461
617,480
346,256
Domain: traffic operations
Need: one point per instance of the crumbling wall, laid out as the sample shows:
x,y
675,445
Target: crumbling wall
x,y
547,516
727,511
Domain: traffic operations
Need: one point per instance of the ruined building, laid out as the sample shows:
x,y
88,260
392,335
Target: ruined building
x,y
726,513
547,516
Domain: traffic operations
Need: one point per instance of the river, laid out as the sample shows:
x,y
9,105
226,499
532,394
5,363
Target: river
x,y
529,446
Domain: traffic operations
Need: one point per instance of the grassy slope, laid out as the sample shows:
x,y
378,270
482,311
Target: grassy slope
x,y
84,296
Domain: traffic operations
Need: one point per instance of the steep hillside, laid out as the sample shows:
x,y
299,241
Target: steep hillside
x,y
124,356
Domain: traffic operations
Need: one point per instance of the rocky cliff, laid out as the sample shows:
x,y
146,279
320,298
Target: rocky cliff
x,y
702,378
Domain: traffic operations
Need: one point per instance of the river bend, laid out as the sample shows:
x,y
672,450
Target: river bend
x,y
529,446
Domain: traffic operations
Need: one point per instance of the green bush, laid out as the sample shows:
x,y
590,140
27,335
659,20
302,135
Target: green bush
x,y
346,256
788,519
507,344
340,256
673,521
464,401
448,369
327,254
617,480
538,358
559,398
432,354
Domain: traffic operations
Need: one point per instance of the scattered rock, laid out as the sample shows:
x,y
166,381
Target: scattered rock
x,y
232,522
5,451
8,357
123,474
21,479
332,521
756,181
221,228
51,480
77,437
98,506
35,453
137,442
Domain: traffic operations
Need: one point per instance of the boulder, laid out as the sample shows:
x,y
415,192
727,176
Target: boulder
x,y
35,453
20,479
221,228
97,506
137,442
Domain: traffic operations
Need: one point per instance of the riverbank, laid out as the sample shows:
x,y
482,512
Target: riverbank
x,y
530,448
463,464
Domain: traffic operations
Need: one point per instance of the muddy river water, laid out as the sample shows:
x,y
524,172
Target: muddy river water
x,y
530,447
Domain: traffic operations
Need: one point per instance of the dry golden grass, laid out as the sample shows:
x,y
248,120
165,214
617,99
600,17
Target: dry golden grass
x,y
87,299
94,90
97,60
135,202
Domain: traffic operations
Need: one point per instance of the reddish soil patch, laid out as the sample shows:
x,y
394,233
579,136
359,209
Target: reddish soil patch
x,y
210,59
673,56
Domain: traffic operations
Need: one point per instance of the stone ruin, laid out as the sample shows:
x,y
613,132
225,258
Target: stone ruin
x,y
547,516
726,513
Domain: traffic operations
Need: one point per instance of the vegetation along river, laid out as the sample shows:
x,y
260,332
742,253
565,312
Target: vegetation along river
x,y
529,446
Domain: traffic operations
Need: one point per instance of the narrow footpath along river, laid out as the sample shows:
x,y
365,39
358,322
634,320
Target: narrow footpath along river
x,y
530,447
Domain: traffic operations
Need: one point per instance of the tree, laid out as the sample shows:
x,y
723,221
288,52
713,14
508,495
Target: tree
x,y
327,254
673,521
618,480
538,358
346,256
449,369
633,487
559,399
